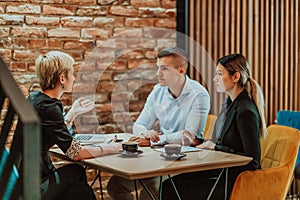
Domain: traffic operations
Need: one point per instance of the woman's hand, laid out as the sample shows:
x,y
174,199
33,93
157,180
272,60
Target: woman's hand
x,y
207,145
80,106
111,148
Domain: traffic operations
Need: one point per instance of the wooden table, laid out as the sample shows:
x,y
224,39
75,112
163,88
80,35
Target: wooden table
x,y
151,164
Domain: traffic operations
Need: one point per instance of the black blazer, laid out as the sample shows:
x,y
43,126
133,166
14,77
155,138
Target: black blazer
x,y
240,133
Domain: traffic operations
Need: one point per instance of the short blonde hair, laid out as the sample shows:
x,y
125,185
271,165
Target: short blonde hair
x,y
50,66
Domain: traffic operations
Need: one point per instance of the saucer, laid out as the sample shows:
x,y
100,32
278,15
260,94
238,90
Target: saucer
x,y
173,157
128,154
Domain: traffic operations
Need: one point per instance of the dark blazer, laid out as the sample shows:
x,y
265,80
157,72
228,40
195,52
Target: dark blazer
x,y
240,133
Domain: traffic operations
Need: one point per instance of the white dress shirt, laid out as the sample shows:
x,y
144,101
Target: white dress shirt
x,y
187,112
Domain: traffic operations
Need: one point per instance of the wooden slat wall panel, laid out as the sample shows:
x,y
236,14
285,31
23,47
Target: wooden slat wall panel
x,y
266,32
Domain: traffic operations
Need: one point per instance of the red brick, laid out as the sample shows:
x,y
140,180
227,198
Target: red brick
x,y
122,117
105,76
84,87
121,96
88,44
164,43
151,54
152,12
18,67
35,32
44,44
54,44
136,106
104,118
106,87
45,1
126,32
140,43
25,55
59,10
64,33
2,10
77,55
43,21
96,33
87,66
19,43
131,53
139,22
99,54
6,43
101,97
89,76
76,21
128,11
31,66
142,63
81,2
5,54
152,32
104,107
117,106
92,11
145,3
23,9
117,65
108,2
108,22
120,43
168,3
37,44
165,23
11,19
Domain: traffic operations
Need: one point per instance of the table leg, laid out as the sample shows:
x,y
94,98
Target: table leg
x,y
173,184
160,188
214,186
136,190
226,183
100,182
147,189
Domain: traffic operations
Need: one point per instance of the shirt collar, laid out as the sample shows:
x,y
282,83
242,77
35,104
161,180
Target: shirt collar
x,y
185,90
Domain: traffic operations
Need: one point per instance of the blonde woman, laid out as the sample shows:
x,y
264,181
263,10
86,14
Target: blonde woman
x,y
238,129
56,75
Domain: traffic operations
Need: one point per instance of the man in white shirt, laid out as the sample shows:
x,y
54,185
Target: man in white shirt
x,y
178,103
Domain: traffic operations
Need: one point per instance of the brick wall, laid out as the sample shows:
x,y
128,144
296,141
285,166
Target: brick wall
x,y
114,43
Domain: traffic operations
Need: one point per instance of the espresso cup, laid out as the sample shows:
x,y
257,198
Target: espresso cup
x,y
171,149
130,146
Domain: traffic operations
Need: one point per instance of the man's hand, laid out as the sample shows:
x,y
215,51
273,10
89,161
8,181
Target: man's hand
x,y
153,135
142,140
207,145
188,139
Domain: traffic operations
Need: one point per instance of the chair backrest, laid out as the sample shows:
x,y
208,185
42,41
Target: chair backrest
x,y
279,147
209,127
288,118
279,151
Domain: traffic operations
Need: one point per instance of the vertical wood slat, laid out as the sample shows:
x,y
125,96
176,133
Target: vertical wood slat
x,y
266,32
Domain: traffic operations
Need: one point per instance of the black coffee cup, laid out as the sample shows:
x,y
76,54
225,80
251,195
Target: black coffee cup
x,y
130,146
172,149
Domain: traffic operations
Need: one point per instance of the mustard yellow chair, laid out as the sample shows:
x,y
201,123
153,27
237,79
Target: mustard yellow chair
x,y
209,127
279,152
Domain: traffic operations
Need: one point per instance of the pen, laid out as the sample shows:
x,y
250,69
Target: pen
x,y
113,140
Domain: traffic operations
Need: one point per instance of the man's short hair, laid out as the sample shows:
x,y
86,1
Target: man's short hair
x,y
179,54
